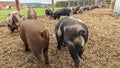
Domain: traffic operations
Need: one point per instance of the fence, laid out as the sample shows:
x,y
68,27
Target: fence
x,y
117,8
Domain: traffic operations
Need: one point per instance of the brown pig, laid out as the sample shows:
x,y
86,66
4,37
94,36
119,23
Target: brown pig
x,y
34,35
32,14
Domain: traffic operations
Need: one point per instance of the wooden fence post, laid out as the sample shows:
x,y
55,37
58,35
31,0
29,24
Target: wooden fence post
x,y
17,5
53,5
104,2
112,4
78,2
69,3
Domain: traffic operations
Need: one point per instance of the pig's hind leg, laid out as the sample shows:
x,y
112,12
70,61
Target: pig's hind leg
x,y
23,37
74,55
45,53
39,54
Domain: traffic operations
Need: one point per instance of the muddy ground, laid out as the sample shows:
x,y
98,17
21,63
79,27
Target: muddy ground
x,y
102,49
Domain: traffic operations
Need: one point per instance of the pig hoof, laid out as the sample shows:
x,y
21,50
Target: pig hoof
x,y
59,48
47,63
27,49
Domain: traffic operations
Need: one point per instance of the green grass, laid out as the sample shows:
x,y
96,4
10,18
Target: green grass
x,y
39,11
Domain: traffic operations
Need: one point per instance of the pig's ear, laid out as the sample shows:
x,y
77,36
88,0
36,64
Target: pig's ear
x,y
81,32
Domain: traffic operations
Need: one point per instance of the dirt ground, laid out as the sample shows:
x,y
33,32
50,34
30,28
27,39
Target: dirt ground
x,y
102,49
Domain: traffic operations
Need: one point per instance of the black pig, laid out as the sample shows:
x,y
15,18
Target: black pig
x,y
62,12
48,12
74,34
76,9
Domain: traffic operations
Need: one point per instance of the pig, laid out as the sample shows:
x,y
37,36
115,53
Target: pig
x,y
86,8
93,7
62,12
35,36
48,12
96,6
76,9
73,8
13,20
32,14
73,33
81,9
